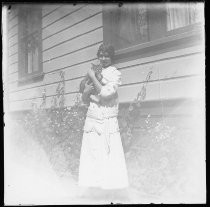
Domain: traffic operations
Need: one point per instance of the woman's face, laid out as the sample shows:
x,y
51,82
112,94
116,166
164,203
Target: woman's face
x,y
105,59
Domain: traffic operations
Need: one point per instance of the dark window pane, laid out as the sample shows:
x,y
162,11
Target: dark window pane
x,y
129,25
181,15
30,40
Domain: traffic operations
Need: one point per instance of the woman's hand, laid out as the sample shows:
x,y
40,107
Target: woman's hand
x,y
91,73
88,88
87,91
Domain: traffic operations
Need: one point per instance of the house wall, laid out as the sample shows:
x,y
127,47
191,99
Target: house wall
x,y
71,36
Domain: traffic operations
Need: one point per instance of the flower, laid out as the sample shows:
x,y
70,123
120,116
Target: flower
x,y
130,108
138,104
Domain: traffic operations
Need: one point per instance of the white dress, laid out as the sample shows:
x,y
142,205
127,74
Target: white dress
x,y
102,160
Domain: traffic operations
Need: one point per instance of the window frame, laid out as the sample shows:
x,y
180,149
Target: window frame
x,y
179,38
23,76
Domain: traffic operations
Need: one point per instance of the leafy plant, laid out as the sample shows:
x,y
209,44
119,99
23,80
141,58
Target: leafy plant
x,y
129,116
154,154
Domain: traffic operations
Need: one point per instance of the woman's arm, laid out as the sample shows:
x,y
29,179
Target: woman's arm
x,y
96,83
87,91
110,89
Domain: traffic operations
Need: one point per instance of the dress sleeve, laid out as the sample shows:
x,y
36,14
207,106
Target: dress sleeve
x,y
112,85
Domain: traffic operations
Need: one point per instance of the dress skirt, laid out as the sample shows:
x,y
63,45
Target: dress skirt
x,y
102,160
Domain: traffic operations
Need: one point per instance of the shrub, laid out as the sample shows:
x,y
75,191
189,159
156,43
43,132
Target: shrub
x,y
155,161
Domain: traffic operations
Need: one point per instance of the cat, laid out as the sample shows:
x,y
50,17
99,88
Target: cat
x,y
97,69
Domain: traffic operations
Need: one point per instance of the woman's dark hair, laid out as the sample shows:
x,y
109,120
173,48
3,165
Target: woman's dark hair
x,y
103,48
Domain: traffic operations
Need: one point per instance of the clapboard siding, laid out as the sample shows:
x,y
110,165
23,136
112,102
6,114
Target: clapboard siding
x,y
129,92
139,69
168,55
13,50
71,59
26,94
72,32
48,9
71,36
11,26
188,65
182,88
13,59
12,14
23,105
187,107
12,41
12,23
13,77
170,89
69,21
161,70
74,45
159,90
15,87
165,89
171,114
71,87
178,67
27,104
13,68
50,78
59,13
13,31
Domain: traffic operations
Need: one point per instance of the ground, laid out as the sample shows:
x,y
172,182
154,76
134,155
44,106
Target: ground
x,y
30,179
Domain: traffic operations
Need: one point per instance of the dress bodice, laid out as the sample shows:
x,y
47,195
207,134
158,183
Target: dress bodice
x,y
108,96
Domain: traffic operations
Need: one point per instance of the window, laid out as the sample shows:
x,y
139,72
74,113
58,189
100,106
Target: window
x,y
134,28
30,44
127,25
182,15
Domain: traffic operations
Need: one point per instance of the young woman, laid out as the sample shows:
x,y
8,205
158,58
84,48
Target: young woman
x,y
102,161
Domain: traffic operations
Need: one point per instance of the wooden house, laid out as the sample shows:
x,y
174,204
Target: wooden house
x,y
167,39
